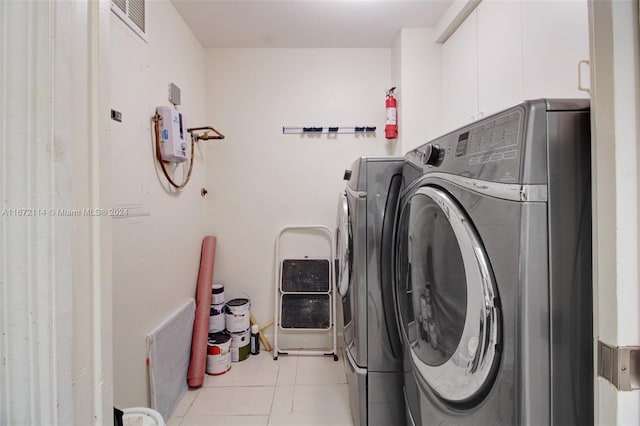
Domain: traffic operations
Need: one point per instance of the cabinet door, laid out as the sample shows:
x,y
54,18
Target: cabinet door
x,y
460,72
555,37
499,56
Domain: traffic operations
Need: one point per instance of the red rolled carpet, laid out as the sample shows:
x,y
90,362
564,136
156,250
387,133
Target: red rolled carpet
x,y
198,362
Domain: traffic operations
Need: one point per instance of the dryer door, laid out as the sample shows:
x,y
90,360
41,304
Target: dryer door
x,y
447,298
343,241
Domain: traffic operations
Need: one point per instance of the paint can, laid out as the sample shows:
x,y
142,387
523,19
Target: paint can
x,y
216,318
217,294
218,353
237,315
240,346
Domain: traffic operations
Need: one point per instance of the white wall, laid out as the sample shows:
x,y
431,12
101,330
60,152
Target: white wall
x,y
260,180
156,250
417,72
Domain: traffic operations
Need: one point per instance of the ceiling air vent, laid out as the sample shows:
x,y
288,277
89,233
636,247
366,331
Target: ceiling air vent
x,y
132,12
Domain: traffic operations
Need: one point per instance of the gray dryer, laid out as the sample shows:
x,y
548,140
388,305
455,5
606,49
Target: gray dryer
x,y
366,219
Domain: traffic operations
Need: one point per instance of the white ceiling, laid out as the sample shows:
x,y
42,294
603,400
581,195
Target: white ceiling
x,y
306,23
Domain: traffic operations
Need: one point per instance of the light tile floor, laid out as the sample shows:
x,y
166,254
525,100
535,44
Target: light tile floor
x,y
294,390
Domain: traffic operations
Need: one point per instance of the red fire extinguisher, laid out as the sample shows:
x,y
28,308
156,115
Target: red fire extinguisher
x,y
391,124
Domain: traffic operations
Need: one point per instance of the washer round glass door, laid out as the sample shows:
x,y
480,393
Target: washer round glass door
x,y
447,298
343,237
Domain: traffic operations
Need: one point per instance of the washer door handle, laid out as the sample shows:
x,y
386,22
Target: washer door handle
x,y
487,336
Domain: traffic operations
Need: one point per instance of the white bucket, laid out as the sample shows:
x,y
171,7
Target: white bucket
x,y
216,318
217,294
237,315
240,346
218,353
142,416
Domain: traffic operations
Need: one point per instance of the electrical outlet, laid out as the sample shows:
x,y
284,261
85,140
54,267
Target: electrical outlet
x,y
116,115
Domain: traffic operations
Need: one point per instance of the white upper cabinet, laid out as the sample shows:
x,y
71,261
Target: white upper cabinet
x,y
460,62
507,51
499,56
555,37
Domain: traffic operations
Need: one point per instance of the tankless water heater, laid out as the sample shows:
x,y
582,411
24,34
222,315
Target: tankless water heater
x,y
173,133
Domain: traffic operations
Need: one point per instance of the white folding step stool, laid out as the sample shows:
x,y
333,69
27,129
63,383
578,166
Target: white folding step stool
x,y
305,293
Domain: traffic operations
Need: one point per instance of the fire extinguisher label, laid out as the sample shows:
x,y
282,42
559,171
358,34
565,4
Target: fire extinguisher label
x,y
391,116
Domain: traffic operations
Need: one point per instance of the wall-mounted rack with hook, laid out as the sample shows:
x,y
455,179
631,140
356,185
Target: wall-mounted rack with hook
x,y
327,130
206,136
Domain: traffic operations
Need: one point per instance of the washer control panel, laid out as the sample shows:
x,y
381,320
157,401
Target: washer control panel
x,y
488,150
487,141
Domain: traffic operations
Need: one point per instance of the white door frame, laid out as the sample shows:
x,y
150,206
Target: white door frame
x,y
55,258
615,90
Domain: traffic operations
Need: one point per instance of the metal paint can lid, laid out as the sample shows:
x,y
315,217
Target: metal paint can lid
x,y
219,338
238,302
